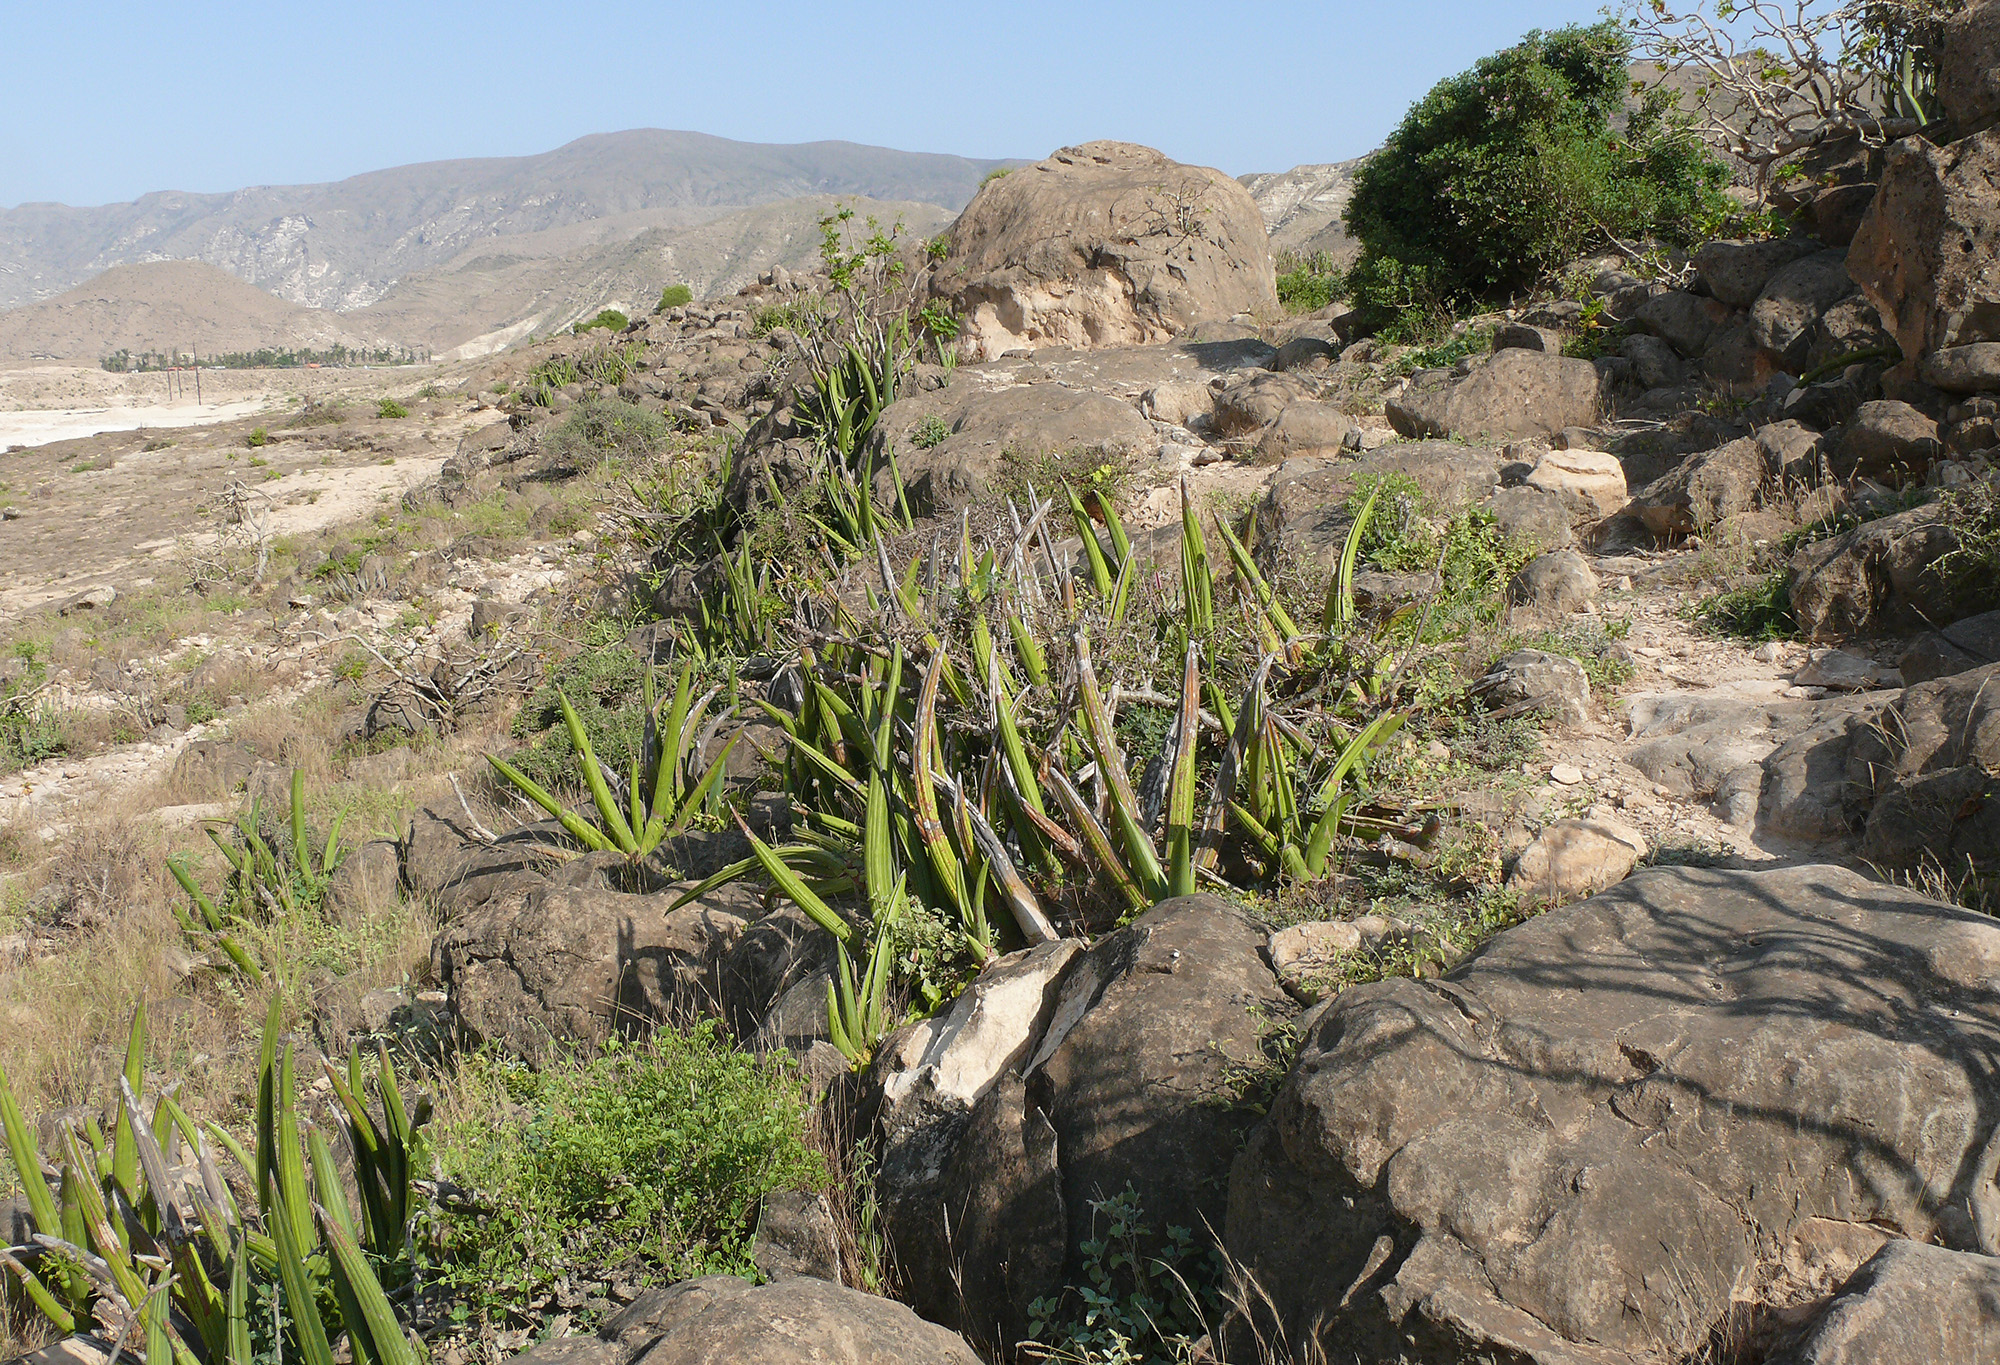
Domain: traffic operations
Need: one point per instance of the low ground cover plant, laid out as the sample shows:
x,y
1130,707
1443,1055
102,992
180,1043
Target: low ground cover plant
x,y
646,1163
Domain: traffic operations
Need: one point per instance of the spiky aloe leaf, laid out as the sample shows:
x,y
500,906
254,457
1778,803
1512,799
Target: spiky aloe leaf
x,y
1334,803
579,829
377,1319
1021,901
1029,650
28,1162
103,1237
1197,582
124,1147
930,830
1340,610
1180,781
1094,838
793,888
302,1307
238,1348
615,827
1267,599
1143,859
1093,553
1240,729
300,854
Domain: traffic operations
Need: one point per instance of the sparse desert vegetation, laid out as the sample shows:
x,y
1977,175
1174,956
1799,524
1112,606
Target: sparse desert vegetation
x,y
916,802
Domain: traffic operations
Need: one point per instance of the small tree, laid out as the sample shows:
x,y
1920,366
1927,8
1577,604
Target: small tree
x,y
1776,77
1504,172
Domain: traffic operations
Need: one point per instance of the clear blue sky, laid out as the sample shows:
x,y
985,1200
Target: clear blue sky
x,y
103,102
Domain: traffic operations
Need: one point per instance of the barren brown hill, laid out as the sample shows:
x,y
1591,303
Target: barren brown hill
x,y
505,290
169,305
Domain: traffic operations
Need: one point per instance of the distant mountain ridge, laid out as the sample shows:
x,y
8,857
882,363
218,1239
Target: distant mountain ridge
x,y
343,245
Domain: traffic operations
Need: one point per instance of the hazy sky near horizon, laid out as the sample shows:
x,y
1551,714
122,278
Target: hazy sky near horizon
x,y
102,103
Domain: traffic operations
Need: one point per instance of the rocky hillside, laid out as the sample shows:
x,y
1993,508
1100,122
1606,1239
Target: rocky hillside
x,y
499,292
1146,829
341,246
1303,208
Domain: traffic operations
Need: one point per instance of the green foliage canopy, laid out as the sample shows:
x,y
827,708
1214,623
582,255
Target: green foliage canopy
x,y
1506,171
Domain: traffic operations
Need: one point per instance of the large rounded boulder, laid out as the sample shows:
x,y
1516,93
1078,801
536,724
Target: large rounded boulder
x,y
1107,244
1695,1103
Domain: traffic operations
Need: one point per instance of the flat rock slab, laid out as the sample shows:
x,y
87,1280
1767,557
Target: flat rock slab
x,y
1623,1117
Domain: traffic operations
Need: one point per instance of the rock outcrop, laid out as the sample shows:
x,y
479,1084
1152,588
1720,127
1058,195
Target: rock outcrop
x,y
1928,253
1106,244
1514,392
1583,1146
1131,1083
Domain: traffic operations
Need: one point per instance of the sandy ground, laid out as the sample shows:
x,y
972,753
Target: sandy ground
x,y
21,428
40,404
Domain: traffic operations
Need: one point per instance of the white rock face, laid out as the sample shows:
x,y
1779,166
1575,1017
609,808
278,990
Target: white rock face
x,y
1590,483
955,1056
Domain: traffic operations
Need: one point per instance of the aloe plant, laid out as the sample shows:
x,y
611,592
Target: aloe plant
x,y
662,792
264,883
167,1264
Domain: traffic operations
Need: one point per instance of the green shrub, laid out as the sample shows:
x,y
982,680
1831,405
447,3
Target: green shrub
x,y
257,437
1972,569
610,319
1150,1296
1467,549
605,686
389,407
674,296
1761,611
1506,171
1444,354
930,432
794,315
1307,284
648,1162
605,428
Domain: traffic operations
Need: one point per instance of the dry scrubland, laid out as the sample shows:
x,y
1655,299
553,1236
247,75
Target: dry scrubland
x,y
1153,807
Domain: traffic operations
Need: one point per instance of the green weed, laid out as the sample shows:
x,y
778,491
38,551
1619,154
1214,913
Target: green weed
x,y
648,1163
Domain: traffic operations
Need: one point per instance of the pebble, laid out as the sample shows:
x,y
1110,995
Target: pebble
x,y
1564,774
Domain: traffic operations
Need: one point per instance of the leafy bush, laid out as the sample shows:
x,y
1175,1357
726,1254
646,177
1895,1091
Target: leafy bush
x,y
675,296
1467,549
30,735
1972,570
1761,611
599,429
1505,171
389,407
794,315
610,319
649,1162
930,432
1307,284
1444,354
258,437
